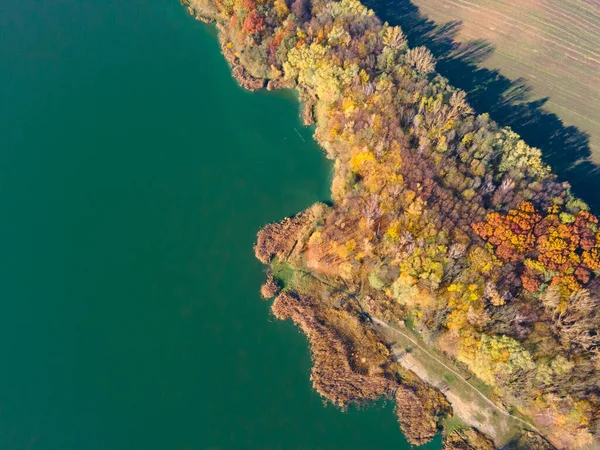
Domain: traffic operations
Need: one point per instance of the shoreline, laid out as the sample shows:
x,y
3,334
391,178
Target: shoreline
x,y
330,312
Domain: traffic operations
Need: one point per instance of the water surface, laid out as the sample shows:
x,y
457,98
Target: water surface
x,y
134,175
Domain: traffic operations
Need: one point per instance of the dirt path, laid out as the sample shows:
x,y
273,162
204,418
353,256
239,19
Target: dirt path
x,y
468,402
411,362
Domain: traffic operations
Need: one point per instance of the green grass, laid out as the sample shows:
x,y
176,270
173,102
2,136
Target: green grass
x,y
504,427
283,272
449,378
453,423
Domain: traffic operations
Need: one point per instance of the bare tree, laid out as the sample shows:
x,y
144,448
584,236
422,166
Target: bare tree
x,y
421,59
371,210
577,324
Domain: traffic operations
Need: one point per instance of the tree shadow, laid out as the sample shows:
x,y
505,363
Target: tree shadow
x,y
565,148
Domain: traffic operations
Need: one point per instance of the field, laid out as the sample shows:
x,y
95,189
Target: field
x,y
533,64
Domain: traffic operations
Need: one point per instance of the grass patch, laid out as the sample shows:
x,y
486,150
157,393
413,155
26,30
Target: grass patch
x,y
453,423
283,273
449,378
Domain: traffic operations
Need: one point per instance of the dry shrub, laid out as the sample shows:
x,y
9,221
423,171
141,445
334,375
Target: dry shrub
x,y
332,374
419,408
270,288
279,239
468,439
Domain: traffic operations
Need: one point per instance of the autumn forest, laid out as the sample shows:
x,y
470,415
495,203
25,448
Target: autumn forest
x,y
442,223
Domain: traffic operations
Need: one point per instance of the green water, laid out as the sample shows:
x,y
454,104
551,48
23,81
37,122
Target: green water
x,y
134,175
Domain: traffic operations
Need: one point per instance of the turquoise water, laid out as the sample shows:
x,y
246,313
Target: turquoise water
x,y
134,175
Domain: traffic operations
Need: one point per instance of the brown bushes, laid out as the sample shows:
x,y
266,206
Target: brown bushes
x,y
419,408
246,80
467,440
279,239
270,288
332,375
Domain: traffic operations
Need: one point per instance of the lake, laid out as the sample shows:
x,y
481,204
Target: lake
x,y
134,175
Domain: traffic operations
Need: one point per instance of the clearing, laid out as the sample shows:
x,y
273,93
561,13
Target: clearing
x,y
465,393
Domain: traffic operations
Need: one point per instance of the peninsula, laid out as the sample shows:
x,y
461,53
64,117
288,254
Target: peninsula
x,y
452,272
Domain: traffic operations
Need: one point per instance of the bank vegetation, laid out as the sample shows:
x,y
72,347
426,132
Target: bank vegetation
x,y
441,220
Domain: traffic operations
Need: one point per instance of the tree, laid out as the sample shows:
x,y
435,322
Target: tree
x,y
421,59
301,9
253,23
560,248
578,321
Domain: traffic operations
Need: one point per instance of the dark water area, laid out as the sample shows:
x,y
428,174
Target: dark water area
x,y
509,102
134,175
